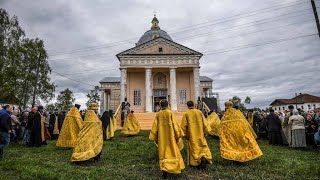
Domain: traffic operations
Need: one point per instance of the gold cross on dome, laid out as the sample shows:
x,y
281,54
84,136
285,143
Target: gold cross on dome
x,y
155,13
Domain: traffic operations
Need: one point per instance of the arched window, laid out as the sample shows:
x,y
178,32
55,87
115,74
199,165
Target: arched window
x,y
159,81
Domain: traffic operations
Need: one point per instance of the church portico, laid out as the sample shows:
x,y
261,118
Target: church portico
x,y
157,68
145,87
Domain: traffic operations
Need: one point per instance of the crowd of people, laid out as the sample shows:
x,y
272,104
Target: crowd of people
x,y
237,132
34,128
25,125
294,128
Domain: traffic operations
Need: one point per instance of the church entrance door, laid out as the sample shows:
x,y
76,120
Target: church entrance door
x,y
158,95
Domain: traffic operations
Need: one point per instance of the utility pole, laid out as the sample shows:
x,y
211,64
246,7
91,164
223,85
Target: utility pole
x,y
316,15
36,82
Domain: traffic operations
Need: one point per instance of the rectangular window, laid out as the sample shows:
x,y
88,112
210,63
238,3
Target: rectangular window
x,y
160,49
309,106
283,108
137,97
183,96
301,107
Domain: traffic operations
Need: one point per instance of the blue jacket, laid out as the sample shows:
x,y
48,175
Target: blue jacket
x,y
5,121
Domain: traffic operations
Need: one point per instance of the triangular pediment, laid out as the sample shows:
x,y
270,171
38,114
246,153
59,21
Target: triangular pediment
x,y
159,46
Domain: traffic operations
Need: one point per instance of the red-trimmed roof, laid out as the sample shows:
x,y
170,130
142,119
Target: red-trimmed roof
x,y
301,99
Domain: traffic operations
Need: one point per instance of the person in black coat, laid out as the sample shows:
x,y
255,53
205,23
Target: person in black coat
x,y
52,121
61,117
37,129
256,122
274,128
105,119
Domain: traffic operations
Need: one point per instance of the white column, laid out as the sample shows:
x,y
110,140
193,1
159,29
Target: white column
x,y
196,79
148,91
108,99
102,102
173,89
123,84
208,93
105,101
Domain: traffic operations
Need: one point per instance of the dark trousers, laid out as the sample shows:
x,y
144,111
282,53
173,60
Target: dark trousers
x,y
4,141
275,138
310,139
122,119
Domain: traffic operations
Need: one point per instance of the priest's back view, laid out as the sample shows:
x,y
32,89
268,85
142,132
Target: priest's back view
x,y
90,141
237,139
167,134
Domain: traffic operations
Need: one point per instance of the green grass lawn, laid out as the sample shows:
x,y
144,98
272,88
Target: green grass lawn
x,y
136,158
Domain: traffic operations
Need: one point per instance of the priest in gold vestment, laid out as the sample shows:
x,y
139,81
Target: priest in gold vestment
x,y
214,123
131,125
71,127
113,123
237,141
195,127
167,134
90,141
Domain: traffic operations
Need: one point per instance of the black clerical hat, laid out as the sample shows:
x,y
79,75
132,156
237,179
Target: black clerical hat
x,y
77,106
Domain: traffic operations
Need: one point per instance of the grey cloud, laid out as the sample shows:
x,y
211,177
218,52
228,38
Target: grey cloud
x,y
263,73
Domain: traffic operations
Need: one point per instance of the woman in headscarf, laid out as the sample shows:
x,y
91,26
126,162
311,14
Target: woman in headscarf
x,y
298,132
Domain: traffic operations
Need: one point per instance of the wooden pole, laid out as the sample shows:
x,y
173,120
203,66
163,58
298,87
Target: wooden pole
x,y
36,82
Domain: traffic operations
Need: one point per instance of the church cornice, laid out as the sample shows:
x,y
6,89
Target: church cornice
x,y
159,61
134,55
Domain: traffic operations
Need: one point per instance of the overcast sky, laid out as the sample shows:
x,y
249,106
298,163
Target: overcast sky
x,y
262,49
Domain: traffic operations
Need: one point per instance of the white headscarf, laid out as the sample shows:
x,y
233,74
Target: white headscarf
x,y
295,112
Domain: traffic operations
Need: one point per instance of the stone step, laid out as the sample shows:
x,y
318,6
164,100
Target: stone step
x,y
146,119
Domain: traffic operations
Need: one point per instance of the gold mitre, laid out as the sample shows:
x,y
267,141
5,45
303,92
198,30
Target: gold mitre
x,y
228,104
93,106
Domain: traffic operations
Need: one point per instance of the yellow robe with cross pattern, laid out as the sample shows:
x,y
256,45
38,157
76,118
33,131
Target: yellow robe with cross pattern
x,y
237,140
90,141
131,125
167,134
71,127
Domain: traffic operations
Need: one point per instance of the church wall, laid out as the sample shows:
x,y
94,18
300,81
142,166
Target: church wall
x,y
114,99
183,82
136,81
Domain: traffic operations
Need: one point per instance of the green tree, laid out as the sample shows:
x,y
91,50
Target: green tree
x,y
32,50
93,96
11,35
50,107
65,100
247,100
19,58
237,100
